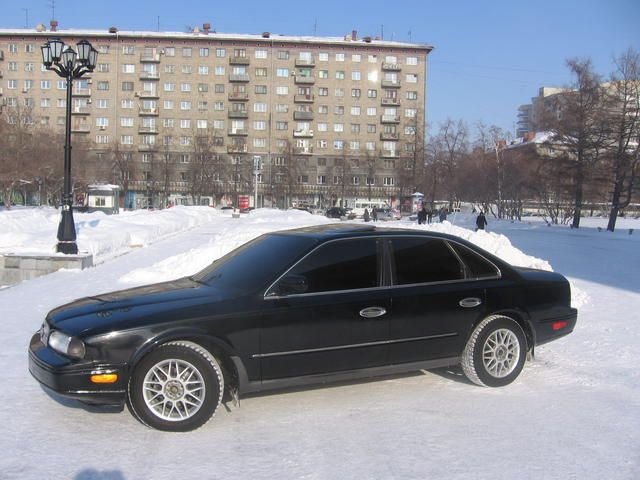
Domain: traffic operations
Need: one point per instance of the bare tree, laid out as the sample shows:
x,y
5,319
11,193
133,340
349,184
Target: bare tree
x,y
622,96
452,143
122,165
578,127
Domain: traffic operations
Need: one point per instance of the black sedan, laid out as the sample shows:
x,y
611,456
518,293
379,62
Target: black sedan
x,y
297,307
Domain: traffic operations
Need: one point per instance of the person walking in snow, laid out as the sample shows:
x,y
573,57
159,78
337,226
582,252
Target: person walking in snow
x,y
422,216
429,215
374,214
366,215
481,221
442,215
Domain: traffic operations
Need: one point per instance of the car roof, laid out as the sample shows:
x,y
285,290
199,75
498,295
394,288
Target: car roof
x,y
332,231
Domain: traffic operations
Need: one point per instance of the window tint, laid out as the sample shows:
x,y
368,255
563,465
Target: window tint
x,y
255,263
422,260
341,265
478,267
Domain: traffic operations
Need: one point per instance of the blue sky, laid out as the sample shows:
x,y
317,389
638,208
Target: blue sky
x,y
489,57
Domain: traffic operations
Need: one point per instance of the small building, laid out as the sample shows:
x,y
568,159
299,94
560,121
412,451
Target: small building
x,y
103,198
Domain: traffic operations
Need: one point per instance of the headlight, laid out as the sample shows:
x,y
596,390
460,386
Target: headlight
x,y
66,345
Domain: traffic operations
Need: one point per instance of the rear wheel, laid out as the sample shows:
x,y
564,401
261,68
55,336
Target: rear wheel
x,y
495,352
177,387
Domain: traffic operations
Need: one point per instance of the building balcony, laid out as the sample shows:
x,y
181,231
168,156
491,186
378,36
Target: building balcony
x,y
236,149
304,80
305,63
303,133
389,119
238,96
81,128
238,60
303,150
391,67
80,111
238,114
148,111
303,98
147,94
238,132
390,102
391,83
388,153
389,136
149,76
81,92
148,130
239,77
303,115
150,57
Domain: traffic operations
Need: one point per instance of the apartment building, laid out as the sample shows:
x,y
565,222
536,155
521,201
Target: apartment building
x,y
323,119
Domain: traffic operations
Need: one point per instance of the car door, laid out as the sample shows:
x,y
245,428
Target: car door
x,y
434,300
327,313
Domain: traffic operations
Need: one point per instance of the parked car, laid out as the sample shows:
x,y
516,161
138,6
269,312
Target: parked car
x,y
298,307
336,212
385,214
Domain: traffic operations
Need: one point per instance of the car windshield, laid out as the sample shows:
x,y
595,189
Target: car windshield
x,y
255,263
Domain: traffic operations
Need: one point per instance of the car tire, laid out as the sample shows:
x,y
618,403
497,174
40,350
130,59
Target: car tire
x,y
495,352
177,387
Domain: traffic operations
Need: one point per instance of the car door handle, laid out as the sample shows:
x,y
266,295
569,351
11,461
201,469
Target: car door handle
x,y
469,302
372,312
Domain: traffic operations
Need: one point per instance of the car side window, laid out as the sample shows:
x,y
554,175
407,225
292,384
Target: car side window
x,y
424,260
340,265
477,266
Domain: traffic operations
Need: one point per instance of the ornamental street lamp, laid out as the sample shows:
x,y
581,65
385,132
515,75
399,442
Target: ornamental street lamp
x,y
68,64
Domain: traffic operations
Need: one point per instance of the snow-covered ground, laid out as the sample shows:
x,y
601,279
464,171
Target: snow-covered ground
x,y
573,413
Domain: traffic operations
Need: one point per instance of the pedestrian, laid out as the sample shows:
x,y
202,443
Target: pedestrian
x,y
429,215
366,215
422,216
374,215
442,215
481,221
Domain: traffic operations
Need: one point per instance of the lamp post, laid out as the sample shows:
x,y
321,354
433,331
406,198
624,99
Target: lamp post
x,y
69,64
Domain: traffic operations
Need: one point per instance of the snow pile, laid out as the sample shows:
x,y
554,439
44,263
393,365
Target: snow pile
x,y
229,236
34,230
495,243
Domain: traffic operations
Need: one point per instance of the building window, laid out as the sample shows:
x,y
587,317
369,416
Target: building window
x,y
339,57
355,92
169,68
261,72
105,86
282,125
323,56
103,67
321,180
282,72
372,111
323,127
282,108
283,55
186,52
261,89
339,92
412,78
204,52
221,52
170,51
411,61
260,54
187,69
126,122
388,181
355,75
127,86
128,49
219,88
128,68
338,127
355,110
203,70
412,95
340,74
338,110
338,144
260,107
323,92
371,128
219,70
282,90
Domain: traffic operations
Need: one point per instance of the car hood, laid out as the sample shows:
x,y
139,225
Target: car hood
x,y
108,309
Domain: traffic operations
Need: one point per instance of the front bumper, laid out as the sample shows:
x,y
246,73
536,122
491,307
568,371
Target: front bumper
x,y
69,379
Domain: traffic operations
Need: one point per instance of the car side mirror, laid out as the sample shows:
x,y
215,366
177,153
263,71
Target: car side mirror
x,y
292,284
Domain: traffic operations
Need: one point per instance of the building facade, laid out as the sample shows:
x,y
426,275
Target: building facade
x,y
202,116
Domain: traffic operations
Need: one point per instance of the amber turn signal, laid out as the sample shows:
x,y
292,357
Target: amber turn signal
x,y
105,378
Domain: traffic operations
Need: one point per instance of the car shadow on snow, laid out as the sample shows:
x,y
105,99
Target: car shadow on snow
x,y
71,403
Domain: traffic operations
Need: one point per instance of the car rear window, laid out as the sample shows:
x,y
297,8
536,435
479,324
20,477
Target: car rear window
x,y
477,266
424,260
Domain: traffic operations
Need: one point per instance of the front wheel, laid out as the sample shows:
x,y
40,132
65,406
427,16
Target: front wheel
x,y
495,352
177,387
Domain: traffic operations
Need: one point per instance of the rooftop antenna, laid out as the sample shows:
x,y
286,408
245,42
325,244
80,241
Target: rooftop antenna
x,y
381,32
158,24
26,13
409,36
315,26
52,4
